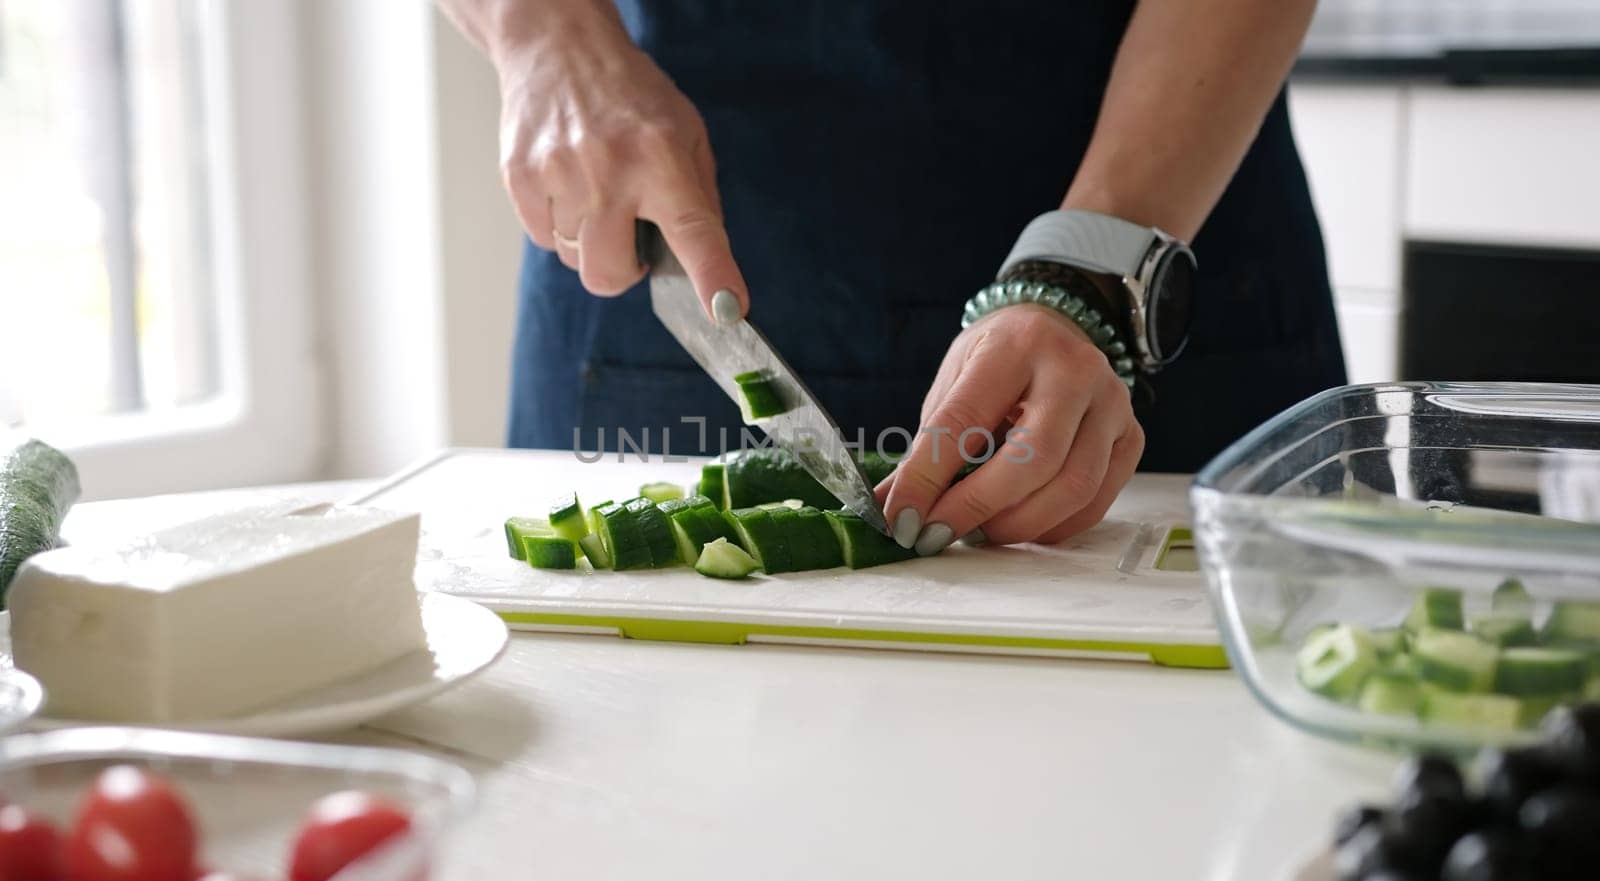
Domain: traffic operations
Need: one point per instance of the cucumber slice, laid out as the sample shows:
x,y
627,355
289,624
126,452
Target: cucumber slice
x,y
759,395
549,552
796,545
595,550
1438,608
1541,671
567,519
38,483
711,481
791,504
1336,663
724,559
672,506
661,492
1512,598
759,535
1454,660
1534,707
1503,628
691,532
656,531
822,546
1390,693
1573,621
594,515
518,528
714,523
860,545
623,542
1488,712
1388,642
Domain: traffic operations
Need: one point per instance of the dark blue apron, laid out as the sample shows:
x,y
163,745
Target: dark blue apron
x,y
876,159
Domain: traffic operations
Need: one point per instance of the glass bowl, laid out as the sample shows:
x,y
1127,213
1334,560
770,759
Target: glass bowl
x,y
1347,507
247,796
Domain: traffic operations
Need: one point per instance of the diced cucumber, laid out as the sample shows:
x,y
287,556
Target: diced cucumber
x,y
519,527
672,506
1454,660
1503,628
724,559
1336,663
549,552
623,541
1438,608
822,546
1388,641
566,518
595,550
1540,671
594,515
1488,712
691,532
1573,621
1512,598
711,482
1390,693
759,395
862,546
661,491
656,531
756,533
796,546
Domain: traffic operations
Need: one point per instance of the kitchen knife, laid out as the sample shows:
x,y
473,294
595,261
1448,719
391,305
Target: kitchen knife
x,y
805,429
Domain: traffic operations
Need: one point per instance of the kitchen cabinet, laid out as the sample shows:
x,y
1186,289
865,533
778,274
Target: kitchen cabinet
x,y
1391,161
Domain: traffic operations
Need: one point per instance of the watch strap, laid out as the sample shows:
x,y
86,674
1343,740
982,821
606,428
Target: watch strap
x,y
1096,242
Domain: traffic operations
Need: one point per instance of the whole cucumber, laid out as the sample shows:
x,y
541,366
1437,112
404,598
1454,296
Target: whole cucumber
x,y
37,485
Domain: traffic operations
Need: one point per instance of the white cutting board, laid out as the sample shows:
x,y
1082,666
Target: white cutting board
x,y
1097,594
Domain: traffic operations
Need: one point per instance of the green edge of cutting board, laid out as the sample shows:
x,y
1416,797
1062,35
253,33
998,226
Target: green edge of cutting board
x,y
1210,657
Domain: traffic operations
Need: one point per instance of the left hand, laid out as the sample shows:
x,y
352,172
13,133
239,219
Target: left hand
x,y
1065,438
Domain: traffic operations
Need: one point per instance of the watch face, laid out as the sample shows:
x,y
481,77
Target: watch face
x,y
1170,306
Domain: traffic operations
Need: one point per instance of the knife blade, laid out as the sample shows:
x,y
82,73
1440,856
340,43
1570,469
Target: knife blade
x,y
805,429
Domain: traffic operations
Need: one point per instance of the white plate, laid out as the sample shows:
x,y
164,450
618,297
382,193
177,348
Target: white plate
x,y
20,698
463,638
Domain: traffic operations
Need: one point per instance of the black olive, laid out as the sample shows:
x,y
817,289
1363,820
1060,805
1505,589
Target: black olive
x,y
1352,820
1486,855
1366,852
1430,772
1572,734
1561,830
1422,828
1511,776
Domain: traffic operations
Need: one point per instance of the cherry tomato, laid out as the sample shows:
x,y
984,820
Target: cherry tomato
x,y
339,830
132,827
30,846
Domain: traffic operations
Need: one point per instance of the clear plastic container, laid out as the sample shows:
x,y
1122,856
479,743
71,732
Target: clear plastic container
x,y
248,796
1343,508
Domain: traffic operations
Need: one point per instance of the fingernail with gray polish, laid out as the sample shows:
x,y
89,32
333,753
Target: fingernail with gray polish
x,y
975,537
725,306
934,539
906,527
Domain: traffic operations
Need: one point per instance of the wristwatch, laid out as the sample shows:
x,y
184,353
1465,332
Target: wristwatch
x,y
1148,297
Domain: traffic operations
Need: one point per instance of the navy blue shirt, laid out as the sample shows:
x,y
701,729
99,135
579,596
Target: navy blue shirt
x,y
876,160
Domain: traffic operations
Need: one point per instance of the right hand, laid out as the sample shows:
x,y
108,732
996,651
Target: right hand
x,y
593,135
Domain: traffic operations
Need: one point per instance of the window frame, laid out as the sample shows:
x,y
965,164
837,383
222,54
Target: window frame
x,y
267,424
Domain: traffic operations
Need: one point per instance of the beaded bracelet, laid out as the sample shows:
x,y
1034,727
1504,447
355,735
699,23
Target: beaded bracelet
x,y
1018,291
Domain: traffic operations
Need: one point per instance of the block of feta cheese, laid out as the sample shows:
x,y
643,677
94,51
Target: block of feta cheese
x,y
218,617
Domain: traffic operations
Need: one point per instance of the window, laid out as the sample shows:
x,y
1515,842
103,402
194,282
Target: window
x,y
154,314
104,242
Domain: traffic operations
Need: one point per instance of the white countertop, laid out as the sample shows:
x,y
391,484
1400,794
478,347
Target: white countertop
x,y
601,758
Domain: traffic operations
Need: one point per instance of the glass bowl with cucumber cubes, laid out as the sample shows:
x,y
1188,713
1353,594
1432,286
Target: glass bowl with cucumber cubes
x,y
1412,564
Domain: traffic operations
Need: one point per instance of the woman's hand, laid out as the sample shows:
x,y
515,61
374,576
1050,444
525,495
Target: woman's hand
x,y
1065,439
593,135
